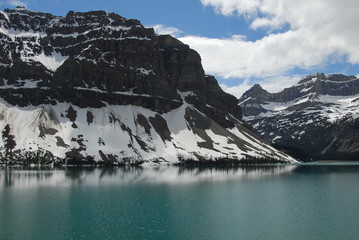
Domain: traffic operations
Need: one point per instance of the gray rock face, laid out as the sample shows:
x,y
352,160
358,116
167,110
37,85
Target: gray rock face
x,y
317,118
91,58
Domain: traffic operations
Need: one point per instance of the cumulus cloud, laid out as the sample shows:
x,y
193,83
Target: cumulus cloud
x,y
271,56
309,34
230,7
164,30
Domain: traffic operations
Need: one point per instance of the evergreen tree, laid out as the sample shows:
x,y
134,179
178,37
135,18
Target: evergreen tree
x,y
9,140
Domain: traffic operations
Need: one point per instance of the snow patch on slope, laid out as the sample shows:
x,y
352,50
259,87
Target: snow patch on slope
x,y
51,62
13,34
28,83
332,107
340,107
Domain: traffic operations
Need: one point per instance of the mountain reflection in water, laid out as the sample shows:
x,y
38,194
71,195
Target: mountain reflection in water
x,y
27,177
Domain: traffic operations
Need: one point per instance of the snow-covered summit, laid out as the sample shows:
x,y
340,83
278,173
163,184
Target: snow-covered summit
x,y
318,117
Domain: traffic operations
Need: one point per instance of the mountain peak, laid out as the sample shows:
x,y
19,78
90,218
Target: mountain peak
x,y
318,84
257,87
20,10
316,118
313,77
323,77
95,86
256,91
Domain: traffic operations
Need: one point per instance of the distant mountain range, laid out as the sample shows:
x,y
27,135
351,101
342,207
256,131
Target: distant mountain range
x,y
97,87
318,118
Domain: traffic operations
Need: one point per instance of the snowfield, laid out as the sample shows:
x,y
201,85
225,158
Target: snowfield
x,y
128,132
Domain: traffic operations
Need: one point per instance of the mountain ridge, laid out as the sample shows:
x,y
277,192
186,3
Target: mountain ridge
x,y
102,87
317,118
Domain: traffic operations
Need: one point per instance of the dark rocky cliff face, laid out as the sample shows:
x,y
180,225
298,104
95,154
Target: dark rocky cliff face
x,y
96,57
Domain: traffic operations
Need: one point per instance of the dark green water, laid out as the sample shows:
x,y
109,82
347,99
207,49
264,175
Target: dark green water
x,y
290,202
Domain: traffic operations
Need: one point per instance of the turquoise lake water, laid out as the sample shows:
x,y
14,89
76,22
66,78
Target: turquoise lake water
x,y
308,202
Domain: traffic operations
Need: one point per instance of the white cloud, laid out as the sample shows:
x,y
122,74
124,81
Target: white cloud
x,y
273,55
278,83
164,30
237,90
270,23
271,84
318,32
230,7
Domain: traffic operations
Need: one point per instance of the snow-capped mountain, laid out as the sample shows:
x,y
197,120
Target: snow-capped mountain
x,y
316,118
100,87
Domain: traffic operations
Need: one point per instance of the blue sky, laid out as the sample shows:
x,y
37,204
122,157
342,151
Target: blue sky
x,y
242,42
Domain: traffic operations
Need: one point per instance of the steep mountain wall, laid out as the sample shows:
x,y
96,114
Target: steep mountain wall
x,y
102,87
